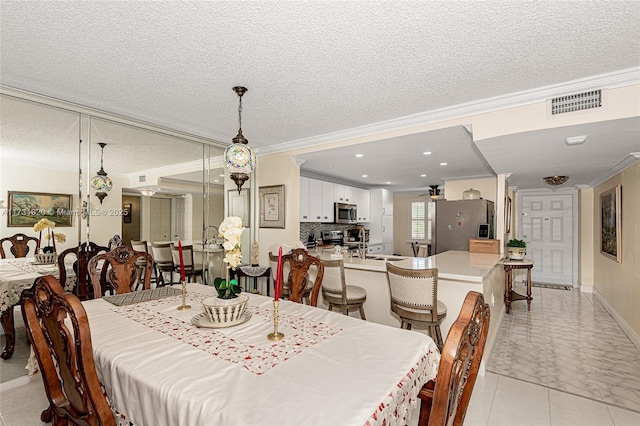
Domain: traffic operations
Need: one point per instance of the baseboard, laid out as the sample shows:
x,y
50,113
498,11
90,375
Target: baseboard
x,y
626,328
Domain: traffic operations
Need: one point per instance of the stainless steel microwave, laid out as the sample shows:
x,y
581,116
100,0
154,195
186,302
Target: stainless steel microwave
x,y
346,213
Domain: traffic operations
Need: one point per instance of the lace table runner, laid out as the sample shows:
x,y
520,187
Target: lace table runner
x,y
142,296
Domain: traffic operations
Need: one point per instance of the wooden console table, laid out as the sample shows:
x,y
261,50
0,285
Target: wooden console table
x,y
509,294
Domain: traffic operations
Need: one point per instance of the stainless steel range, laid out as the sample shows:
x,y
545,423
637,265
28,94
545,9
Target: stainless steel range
x,y
335,237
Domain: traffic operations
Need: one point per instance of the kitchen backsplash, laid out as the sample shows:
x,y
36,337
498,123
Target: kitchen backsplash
x,y
315,229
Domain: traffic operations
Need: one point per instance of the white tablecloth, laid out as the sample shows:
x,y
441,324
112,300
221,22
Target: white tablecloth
x,y
18,274
330,369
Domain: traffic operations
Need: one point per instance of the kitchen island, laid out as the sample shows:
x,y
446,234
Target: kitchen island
x,y
458,273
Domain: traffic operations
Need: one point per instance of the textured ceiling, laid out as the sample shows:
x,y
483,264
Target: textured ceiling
x,y
312,68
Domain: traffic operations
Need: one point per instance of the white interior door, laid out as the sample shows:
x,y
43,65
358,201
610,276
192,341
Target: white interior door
x,y
160,219
547,227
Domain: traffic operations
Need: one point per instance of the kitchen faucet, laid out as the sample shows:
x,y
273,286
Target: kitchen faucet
x,y
362,244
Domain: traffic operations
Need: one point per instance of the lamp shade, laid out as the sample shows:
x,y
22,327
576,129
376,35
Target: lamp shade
x,y
239,158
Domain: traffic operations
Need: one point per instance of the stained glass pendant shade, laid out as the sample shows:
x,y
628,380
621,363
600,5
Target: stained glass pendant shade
x,y
101,183
239,159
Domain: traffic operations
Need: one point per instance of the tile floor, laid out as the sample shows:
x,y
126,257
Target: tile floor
x,y
570,343
498,400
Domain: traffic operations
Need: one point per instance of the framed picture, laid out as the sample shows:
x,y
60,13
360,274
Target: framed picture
x,y
239,205
272,207
507,215
27,208
127,212
610,232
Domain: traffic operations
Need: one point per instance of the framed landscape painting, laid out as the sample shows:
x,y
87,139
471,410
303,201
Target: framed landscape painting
x,y
27,208
610,232
272,206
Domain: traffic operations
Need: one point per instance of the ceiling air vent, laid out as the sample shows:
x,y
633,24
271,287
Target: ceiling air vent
x,y
142,178
576,102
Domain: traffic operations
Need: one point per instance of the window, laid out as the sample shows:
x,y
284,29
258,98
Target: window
x,y
421,217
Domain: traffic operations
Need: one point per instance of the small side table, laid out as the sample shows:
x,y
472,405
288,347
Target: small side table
x,y
255,272
509,294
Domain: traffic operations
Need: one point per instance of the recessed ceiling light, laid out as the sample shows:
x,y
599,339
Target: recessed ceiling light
x,y
359,155
365,175
387,183
423,175
443,164
426,153
216,180
221,175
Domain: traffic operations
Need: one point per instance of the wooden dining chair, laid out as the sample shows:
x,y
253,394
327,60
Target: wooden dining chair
x,y
19,245
337,293
300,262
414,298
192,270
445,401
141,263
163,262
121,275
83,254
58,329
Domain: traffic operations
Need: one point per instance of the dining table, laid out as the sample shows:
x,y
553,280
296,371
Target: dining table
x,y
16,274
163,366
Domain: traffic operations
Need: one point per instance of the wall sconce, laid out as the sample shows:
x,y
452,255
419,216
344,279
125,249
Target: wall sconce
x,y
555,180
238,157
101,182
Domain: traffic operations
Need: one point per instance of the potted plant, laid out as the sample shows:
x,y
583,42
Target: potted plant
x,y
516,249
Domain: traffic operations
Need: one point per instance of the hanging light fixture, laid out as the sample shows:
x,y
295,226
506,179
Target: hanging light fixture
x,y
555,180
434,192
238,157
101,182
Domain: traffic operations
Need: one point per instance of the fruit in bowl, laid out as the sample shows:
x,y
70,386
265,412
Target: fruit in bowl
x,y
221,311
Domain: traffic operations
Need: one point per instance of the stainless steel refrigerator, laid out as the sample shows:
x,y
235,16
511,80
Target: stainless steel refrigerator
x,y
456,222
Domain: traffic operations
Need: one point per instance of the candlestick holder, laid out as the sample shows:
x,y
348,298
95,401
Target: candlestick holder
x,y
184,297
275,336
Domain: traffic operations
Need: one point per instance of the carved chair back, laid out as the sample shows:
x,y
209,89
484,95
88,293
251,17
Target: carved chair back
x,y
83,253
58,329
19,245
120,268
300,261
461,355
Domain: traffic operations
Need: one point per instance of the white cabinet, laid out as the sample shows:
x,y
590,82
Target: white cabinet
x,y
381,222
328,210
342,194
315,200
304,199
362,200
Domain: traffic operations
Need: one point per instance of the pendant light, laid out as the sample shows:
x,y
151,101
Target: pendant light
x,y
101,182
238,157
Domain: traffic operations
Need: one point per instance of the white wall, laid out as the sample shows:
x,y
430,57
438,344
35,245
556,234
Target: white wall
x,y
619,283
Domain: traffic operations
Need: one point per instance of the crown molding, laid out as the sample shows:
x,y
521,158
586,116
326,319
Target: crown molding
x,y
611,80
618,167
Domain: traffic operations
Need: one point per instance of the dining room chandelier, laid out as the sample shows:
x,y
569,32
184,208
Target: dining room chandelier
x,y
101,183
238,157
555,180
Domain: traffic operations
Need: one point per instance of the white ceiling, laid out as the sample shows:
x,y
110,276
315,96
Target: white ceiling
x,y
316,68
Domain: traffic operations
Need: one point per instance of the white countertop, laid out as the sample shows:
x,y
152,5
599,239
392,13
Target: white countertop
x,y
454,265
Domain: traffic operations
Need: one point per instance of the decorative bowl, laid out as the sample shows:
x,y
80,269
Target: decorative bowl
x,y
46,258
516,253
225,310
